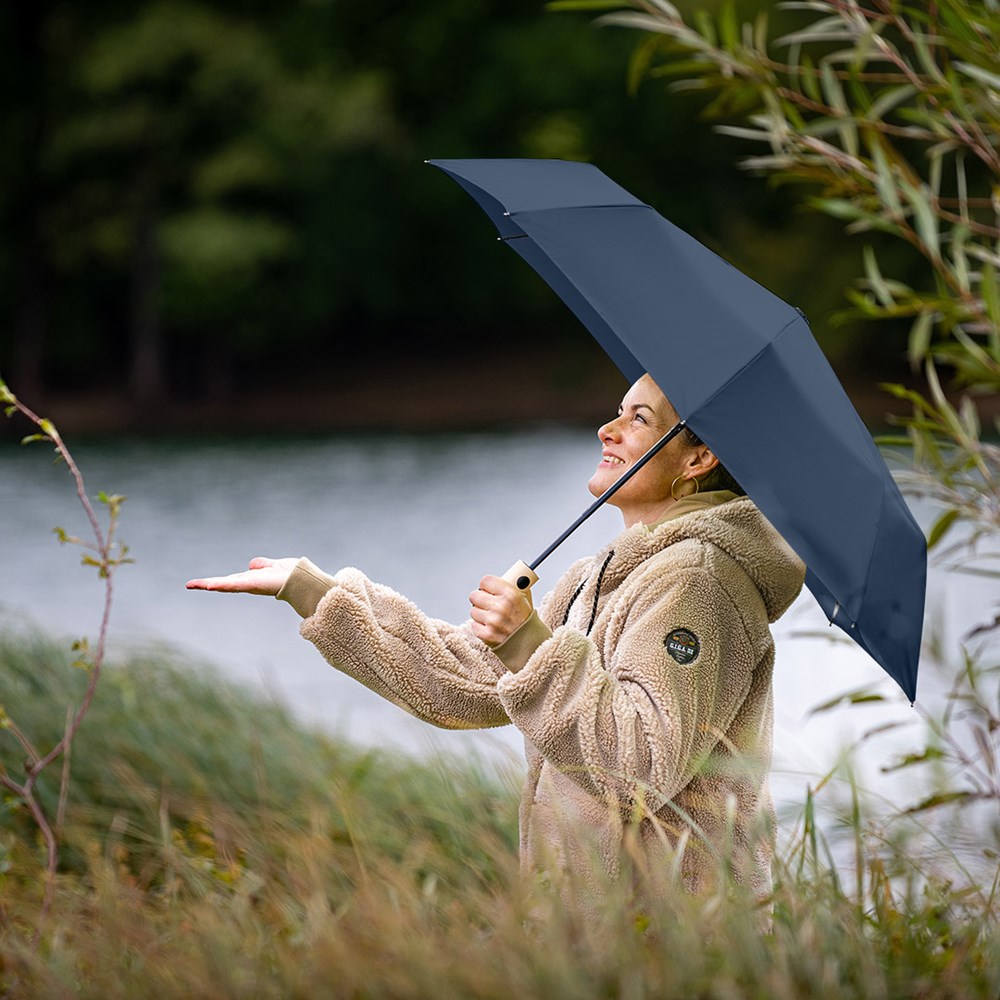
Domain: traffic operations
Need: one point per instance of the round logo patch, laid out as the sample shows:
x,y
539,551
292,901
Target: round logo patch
x,y
683,645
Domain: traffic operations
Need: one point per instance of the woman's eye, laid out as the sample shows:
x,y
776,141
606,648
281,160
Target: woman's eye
x,y
640,418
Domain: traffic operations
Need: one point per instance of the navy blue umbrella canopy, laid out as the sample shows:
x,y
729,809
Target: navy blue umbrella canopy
x,y
741,367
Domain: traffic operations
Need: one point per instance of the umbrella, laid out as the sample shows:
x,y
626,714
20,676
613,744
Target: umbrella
x,y
742,370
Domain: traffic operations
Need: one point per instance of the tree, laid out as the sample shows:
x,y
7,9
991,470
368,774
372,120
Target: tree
x,y
201,118
229,187
24,136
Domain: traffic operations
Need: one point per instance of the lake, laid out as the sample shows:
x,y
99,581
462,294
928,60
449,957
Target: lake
x,y
428,515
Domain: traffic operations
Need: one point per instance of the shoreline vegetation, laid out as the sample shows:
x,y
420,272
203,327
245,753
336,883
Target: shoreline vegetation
x,y
216,847
411,394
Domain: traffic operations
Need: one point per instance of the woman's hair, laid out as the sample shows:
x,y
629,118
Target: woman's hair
x,y
718,478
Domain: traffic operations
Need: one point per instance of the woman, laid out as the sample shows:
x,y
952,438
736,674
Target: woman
x,y
642,686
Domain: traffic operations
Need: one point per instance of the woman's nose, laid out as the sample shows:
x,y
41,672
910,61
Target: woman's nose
x,y
608,431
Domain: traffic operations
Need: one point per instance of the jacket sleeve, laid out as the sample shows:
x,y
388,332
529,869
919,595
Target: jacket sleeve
x,y
440,673
631,721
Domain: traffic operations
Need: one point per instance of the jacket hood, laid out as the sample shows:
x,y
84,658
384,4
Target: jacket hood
x,y
736,527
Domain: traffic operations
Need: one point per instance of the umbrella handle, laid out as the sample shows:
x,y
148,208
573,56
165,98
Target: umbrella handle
x,y
521,575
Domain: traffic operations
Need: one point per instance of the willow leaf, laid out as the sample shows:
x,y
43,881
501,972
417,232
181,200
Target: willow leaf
x,y
941,527
861,696
942,799
875,279
920,338
930,754
925,220
980,74
583,5
884,182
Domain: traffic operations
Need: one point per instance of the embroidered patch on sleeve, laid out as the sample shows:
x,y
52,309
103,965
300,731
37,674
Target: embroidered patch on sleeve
x,y
683,645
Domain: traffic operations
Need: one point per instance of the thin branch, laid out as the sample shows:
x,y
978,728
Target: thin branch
x,y
21,737
901,131
11,785
64,777
94,677
51,863
37,764
976,227
979,145
81,492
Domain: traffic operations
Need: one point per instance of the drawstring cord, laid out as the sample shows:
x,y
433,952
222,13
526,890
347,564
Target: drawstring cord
x,y
597,590
572,600
597,594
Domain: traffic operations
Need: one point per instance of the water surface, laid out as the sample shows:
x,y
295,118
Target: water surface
x,y
427,515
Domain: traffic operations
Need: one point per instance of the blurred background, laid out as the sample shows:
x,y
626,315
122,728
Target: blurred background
x,y
222,255
216,215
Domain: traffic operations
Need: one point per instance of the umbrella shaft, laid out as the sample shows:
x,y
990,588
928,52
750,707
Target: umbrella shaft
x,y
610,492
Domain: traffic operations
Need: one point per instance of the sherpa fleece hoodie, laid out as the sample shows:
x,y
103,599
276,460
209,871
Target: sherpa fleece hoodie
x,y
642,687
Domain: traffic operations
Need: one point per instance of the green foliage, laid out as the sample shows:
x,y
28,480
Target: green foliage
x,y
220,849
887,114
229,188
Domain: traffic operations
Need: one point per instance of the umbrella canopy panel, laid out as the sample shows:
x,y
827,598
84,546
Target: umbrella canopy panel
x,y
809,459
657,292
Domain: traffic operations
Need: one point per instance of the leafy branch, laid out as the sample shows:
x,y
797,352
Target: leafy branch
x,y
889,114
106,554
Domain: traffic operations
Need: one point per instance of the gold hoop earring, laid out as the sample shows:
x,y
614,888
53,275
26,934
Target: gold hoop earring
x,y
683,479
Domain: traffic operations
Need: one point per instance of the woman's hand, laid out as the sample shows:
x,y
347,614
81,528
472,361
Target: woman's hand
x,y
265,576
499,609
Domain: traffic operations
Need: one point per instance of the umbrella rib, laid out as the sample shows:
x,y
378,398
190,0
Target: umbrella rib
x,y
840,606
584,207
871,555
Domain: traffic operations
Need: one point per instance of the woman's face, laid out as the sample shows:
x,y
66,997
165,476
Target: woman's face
x,y
644,416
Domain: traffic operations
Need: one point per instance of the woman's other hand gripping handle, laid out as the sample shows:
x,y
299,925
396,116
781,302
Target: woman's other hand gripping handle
x,y
502,605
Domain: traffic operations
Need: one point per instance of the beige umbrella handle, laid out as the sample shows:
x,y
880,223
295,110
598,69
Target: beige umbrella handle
x,y
521,575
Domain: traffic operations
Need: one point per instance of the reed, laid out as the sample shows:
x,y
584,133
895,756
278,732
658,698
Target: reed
x,y
215,847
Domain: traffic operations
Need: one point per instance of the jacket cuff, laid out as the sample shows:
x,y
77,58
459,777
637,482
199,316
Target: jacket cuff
x,y
305,587
516,649
520,691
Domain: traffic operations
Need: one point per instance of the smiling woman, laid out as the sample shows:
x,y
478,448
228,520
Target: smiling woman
x,y
642,685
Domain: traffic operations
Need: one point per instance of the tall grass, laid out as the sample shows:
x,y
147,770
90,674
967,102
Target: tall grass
x,y
216,848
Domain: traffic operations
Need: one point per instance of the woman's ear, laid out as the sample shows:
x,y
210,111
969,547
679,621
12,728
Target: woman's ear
x,y
702,460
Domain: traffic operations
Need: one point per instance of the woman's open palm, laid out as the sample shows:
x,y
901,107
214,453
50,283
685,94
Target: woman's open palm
x,y
264,576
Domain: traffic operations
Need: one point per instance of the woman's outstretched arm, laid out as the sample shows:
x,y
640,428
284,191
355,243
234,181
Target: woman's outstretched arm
x,y
444,674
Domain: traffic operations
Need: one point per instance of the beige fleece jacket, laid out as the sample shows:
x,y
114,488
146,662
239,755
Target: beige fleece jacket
x,y
642,687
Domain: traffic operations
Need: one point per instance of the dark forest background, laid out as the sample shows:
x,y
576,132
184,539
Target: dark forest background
x,y
207,204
